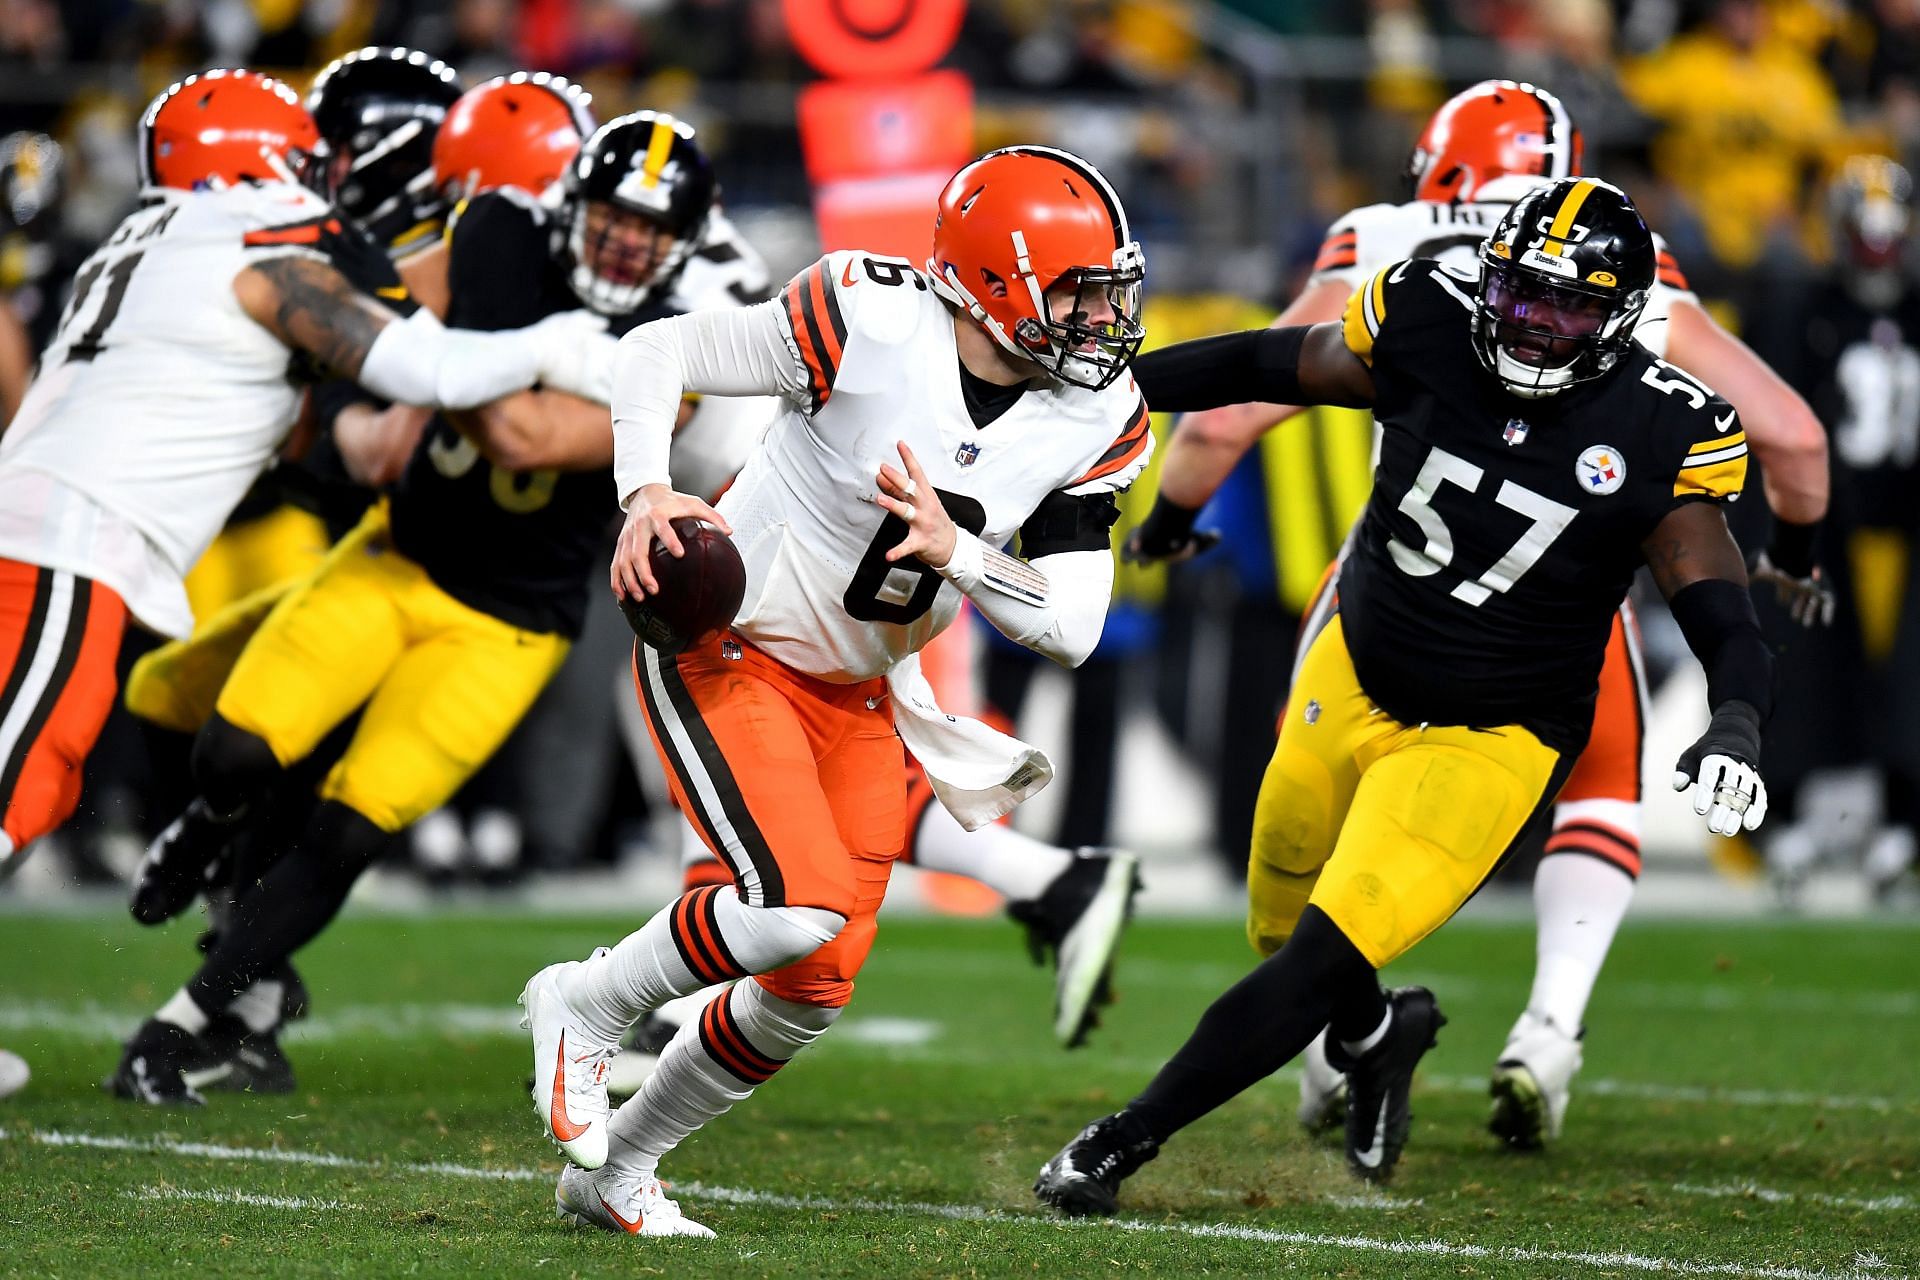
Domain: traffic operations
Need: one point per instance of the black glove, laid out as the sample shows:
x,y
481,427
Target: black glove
x,y
1723,770
1167,534
1805,596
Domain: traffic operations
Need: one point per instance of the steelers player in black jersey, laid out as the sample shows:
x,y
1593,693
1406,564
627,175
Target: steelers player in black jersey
x,y
441,617
1533,456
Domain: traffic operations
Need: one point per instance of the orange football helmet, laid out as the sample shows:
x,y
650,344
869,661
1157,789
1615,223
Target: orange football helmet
x,y
223,127
1021,221
1495,128
521,130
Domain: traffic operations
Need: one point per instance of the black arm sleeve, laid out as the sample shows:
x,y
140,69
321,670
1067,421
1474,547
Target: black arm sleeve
x,y
1234,368
1717,618
1069,522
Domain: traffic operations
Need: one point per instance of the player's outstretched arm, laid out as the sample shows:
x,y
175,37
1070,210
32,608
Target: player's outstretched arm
x,y
1698,567
1785,436
310,306
1289,366
1207,445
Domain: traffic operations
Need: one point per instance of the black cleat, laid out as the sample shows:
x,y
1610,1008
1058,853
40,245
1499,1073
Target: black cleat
x,y
164,1065
180,863
1086,1176
254,1059
1379,1081
1079,919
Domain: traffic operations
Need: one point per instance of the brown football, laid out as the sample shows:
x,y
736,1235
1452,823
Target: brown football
x,y
700,592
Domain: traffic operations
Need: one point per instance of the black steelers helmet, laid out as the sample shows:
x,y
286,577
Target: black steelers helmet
x,y
1563,281
646,163
378,110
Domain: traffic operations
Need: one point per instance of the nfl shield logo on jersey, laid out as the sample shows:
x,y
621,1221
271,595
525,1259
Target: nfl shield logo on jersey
x,y
1516,432
1601,469
967,454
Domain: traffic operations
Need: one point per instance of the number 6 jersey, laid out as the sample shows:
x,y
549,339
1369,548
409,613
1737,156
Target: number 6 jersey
x,y
864,354
1503,533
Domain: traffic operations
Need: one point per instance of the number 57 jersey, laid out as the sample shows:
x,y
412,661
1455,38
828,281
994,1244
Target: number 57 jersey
x,y
1503,533
868,360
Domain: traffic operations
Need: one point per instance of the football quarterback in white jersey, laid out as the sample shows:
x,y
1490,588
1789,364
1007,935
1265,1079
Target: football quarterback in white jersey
x,y
1481,152
166,391
930,418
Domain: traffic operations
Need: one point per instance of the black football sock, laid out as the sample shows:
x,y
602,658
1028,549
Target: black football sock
x,y
232,768
297,897
1262,1023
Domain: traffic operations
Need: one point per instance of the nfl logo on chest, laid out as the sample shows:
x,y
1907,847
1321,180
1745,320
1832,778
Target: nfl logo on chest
x,y
1601,469
967,454
1516,432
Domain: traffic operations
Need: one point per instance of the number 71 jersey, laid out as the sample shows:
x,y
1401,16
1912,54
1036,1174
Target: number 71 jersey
x,y
870,361
1503,533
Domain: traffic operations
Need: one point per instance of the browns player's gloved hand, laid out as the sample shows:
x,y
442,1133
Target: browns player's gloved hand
x,y
1168,535
1788,563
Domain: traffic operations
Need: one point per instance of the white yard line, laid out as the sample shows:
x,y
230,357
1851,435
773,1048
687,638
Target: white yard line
x,y
1768,1195
216,1196
901,1039
1864,1267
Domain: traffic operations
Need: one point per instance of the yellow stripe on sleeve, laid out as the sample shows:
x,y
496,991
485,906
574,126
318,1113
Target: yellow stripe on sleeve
x,y
1719,481
1366,309
1718,443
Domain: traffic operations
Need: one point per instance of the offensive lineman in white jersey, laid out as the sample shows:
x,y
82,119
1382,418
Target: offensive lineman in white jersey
x,y
166,391
929,418
1482,151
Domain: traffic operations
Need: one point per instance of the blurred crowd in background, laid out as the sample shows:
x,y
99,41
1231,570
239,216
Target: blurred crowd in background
x,y
1236,130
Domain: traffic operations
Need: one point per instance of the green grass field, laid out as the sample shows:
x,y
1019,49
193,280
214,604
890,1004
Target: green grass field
x,y
1749,1108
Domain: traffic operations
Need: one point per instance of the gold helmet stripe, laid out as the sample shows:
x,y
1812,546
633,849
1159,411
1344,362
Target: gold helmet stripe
x,y
1563,220
658,147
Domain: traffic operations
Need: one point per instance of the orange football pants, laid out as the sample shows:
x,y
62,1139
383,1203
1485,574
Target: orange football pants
x,y
798,786
59,640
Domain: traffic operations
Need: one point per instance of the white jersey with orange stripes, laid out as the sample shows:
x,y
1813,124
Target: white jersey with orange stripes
x,y
159,401
1371,237
873,362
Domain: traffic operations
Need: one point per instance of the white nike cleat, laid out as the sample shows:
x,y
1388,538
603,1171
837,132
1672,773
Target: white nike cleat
x,y
1080,918
1532,1080
616,1202
570,1065
1323,1090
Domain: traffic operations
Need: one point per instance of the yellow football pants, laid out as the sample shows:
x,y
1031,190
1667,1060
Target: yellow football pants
x,y
443,683
232,588
1388,828
285,544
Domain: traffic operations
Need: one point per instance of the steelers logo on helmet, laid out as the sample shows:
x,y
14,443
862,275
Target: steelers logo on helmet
x,y
1564,278
635,203
1032,243
1600,469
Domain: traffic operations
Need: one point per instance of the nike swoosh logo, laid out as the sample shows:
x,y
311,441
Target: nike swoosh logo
x,y
1394,276
557,1118
631,1228
846,277
1721,424
1371,1157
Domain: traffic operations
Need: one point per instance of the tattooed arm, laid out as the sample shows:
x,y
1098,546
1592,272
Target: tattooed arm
x,y
1692,545
311,307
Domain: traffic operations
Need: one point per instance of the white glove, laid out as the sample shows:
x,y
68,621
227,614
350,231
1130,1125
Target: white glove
x,y
1727,792
575,354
